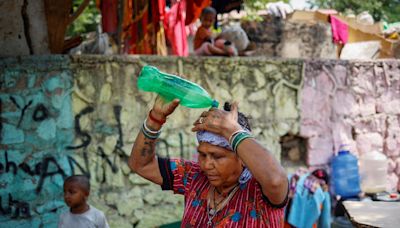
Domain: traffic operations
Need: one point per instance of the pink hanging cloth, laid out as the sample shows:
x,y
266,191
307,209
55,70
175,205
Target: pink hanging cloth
x,y
340,30
174,23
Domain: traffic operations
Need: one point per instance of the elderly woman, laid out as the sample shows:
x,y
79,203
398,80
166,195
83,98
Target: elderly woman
x,y
236,181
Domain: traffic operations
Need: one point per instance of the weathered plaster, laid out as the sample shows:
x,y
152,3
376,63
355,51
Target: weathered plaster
x,y
355,103
82,115
23,28
36,127
275,37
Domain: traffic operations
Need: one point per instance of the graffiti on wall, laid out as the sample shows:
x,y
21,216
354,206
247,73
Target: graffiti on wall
x,y
117,153
103,158
50,166
35,114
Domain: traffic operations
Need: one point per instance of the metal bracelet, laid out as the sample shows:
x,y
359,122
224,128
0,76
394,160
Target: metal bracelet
x,y
148,129
148,134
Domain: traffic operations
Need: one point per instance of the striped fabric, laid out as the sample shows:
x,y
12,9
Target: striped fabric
x,y
247,208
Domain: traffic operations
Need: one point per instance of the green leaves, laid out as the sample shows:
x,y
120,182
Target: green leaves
x,y
87,21
388,10
259,4
252,6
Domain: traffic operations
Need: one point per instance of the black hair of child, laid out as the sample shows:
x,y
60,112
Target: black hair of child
x,y
208,10
82,180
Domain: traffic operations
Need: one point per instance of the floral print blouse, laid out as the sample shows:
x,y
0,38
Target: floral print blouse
x,y
247,208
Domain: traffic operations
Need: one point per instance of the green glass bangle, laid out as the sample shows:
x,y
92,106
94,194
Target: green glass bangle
x,y
235,137
241,140
238,138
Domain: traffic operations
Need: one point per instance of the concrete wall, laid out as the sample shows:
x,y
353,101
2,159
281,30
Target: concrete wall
x,y
275,37
62,115
355,103
23,28
37,124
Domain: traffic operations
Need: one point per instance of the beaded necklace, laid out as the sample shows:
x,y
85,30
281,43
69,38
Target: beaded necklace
x,y
212,212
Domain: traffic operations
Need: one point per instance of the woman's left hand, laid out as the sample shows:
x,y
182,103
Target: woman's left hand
x,y
218,121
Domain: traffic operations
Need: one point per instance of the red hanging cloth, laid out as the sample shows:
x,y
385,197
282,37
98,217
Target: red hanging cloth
x,y
174,24
194,8
142,26
109,15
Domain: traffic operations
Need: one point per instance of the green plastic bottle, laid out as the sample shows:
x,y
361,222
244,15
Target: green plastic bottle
x,y
171,87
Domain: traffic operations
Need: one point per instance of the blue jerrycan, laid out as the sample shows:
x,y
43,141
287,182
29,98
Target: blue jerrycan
x,y
345,174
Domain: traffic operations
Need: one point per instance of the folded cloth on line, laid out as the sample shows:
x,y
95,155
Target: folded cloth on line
x,y
340,30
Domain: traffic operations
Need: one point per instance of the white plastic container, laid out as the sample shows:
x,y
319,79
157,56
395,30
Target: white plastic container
x,y
373,172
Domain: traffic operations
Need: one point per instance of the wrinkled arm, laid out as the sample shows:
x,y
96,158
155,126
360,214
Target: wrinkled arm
x,y
143,160
266,169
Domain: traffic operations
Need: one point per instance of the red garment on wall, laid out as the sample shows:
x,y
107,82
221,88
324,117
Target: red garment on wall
x,y
194,8
109,15
142,28
142,25
174,24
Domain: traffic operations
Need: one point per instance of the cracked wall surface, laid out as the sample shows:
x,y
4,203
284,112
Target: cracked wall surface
x,y
23,28
63,115
275,37
355,103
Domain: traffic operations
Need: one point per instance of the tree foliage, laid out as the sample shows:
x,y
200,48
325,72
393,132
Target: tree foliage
x,y
387,10
253,6
259,4
87,21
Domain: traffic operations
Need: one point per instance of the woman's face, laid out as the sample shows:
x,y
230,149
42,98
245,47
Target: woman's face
x,y
221,166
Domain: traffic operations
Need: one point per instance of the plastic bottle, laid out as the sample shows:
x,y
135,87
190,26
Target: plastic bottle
x,y
373,172
171,87
345,175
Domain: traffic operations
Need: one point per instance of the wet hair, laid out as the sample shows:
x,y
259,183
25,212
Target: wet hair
x,y
208,10
81,180
242,119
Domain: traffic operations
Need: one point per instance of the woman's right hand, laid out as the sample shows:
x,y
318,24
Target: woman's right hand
x,y
218,121
160,111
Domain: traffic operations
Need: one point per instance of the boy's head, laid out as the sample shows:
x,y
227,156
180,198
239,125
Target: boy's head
x,y
76,190
208,16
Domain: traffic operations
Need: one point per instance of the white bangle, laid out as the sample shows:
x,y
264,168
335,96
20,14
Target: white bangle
x,y
148,129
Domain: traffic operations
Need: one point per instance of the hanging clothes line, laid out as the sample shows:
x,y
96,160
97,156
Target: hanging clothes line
x,y
146,24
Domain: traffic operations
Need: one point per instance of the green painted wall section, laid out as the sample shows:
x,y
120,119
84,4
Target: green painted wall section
x,y
36,127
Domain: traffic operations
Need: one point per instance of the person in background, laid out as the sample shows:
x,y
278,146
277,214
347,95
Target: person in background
x,y
80,214
236,182
204,42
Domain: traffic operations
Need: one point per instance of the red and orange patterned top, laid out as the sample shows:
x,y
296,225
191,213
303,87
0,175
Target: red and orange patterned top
x,y
247,208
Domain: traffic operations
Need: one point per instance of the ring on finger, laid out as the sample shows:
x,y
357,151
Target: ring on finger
x,y
201,120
